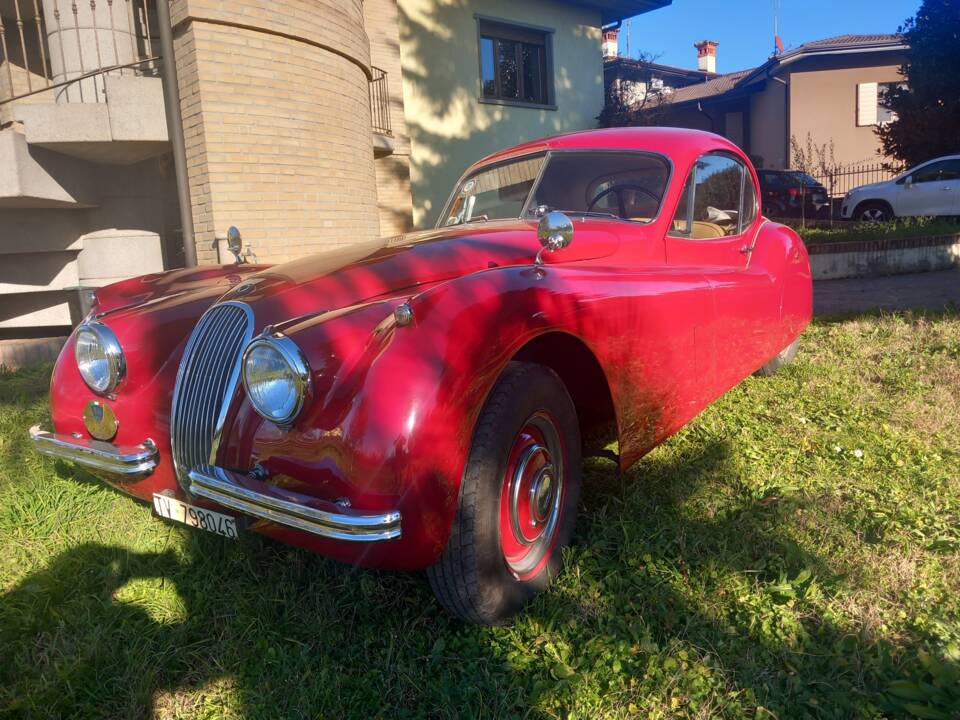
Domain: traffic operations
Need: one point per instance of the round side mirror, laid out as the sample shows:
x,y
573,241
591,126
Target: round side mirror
x,y
235,243
555,232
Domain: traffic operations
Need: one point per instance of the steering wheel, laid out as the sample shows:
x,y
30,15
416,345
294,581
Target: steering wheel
x,y
617,189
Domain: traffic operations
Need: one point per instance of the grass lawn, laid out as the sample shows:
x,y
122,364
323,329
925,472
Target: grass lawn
x,y
820,231
792,553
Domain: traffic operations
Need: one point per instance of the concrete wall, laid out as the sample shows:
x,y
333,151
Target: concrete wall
x,y
823,102
884,257
275,103
449,129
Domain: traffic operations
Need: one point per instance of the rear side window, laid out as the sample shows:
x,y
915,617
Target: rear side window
x,y
718,199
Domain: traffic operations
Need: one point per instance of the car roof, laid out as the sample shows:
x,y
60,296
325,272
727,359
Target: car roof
x,y
681,145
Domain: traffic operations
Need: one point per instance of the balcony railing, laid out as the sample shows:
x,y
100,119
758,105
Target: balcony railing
x,y
380,102
68,46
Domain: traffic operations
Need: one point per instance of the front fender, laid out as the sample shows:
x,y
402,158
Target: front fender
x,y
393,408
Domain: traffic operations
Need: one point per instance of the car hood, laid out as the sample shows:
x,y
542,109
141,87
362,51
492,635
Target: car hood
x,y
870,186
353,274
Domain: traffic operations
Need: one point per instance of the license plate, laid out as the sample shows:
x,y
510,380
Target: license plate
x,y
198,517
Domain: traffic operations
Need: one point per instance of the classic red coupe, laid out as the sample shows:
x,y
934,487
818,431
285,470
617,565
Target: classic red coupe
x,y
423,403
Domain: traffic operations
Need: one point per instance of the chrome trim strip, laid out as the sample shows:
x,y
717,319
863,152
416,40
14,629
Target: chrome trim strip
x,y
221,486
130,461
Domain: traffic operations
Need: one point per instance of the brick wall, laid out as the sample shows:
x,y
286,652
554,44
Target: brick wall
x,y
394,201
276,114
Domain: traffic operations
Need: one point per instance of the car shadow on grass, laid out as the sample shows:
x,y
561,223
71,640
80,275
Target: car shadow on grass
x,y
643,614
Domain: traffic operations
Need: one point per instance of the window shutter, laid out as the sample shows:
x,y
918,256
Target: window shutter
x,y
866,104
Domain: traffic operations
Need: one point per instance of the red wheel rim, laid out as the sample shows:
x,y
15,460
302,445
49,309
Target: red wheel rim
x,y
531,497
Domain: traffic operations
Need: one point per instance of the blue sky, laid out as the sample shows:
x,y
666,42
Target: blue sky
x,y
744,28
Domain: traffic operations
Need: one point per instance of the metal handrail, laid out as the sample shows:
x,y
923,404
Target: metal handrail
x,y
92,73
380,102
26,57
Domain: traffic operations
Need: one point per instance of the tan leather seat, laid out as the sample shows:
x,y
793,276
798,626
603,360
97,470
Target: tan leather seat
x,y
703,230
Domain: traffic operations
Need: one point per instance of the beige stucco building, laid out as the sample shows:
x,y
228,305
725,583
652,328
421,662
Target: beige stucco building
x,y
830,89
307,124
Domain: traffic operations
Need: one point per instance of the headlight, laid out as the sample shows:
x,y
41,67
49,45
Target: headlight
x,y
99,357
276,377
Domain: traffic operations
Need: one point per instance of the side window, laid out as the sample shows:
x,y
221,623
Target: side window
x,y
714,202
748,212
943,170
681,226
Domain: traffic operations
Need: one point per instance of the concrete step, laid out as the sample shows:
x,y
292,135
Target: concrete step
x,y
126,129
39,178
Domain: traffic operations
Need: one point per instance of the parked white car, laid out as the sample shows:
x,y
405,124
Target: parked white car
x,y
931,188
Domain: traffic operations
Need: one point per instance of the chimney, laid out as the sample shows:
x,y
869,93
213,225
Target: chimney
x,y
609,44
707,55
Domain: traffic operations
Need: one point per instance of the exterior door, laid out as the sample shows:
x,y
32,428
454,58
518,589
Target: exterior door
x,y
934,190
713,232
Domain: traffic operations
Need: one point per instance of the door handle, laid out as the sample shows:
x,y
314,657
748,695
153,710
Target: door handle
x,y
747,249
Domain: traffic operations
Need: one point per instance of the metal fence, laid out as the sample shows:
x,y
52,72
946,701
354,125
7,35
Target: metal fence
x,y
840,180
68,46
380,102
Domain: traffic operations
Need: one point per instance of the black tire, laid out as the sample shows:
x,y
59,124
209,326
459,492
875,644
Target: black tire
x,y
782,358
472,579
873,211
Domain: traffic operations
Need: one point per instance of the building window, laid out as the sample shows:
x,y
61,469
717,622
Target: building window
x,y
870,107
515,64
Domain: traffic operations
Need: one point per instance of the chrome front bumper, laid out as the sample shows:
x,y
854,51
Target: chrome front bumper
x,y
130,462
269,502
228,489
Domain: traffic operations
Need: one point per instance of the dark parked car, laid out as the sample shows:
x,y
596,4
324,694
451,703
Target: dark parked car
x,y
791,193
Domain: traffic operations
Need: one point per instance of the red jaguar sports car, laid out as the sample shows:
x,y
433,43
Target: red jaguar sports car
x,y
422,403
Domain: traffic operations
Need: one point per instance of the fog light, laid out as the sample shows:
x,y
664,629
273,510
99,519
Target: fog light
x,y
100,420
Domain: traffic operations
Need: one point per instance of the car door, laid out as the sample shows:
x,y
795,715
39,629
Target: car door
x,y
932,189
714,231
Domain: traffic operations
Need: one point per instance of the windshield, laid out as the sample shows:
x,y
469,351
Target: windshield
x,y
494,193
628,186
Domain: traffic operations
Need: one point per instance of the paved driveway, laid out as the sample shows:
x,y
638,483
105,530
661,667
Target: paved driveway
x,y
931,290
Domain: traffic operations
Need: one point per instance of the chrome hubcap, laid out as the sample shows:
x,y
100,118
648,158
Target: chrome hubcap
x,y
532,497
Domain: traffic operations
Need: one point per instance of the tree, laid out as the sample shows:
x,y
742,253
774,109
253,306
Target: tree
x,y
812,158
927,106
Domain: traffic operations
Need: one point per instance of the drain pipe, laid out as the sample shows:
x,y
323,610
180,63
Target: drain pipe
x,y
171,103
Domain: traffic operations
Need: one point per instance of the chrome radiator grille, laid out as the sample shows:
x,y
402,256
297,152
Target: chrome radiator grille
x,y
206,381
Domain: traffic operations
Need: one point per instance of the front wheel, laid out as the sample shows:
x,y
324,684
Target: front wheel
x,y
873,212
518,499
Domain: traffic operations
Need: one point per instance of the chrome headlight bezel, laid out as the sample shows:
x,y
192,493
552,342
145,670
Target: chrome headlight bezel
x,y
298,371
114,361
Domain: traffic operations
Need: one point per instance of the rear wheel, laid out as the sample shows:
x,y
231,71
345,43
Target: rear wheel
x,y
782,358
518,499
873,212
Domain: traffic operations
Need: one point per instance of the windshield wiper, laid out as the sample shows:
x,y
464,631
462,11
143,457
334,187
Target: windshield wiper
x,y
590,213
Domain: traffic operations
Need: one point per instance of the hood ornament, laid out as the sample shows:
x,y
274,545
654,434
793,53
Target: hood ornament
x,y
555,232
